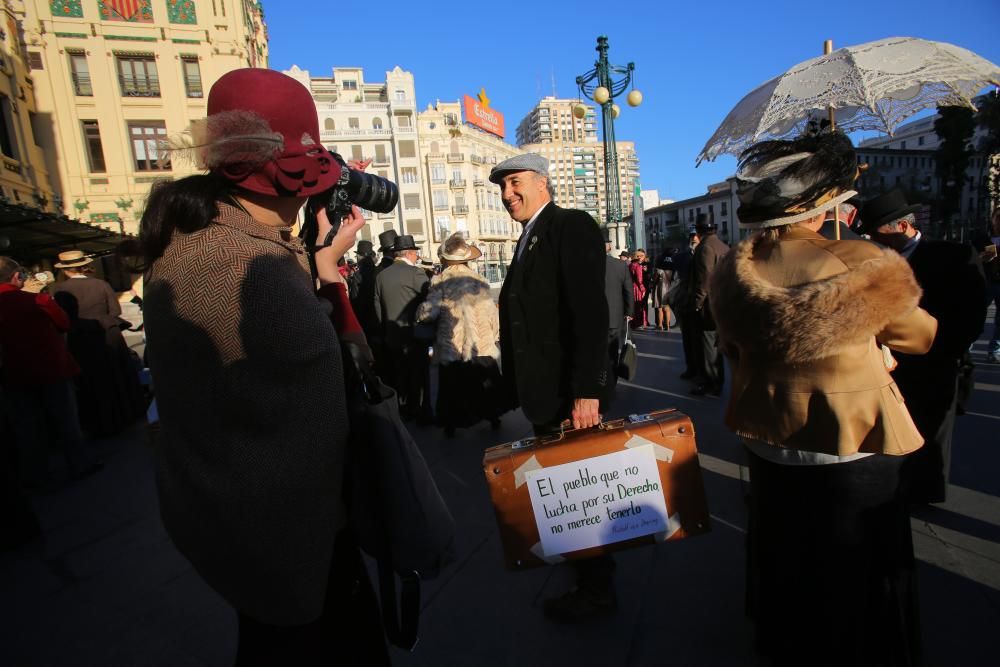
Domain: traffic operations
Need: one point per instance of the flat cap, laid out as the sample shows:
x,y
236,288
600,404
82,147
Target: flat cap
x,y
527,162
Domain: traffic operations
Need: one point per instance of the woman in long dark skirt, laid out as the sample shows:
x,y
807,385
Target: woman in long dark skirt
x,y
808,324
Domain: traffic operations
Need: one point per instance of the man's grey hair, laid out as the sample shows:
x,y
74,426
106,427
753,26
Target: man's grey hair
x,y
549,187
909,218
8,267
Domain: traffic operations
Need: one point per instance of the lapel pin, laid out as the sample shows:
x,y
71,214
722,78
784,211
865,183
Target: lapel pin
x,y
531,244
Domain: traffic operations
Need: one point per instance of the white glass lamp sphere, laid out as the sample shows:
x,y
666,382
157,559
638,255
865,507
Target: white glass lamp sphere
x,y
615,110
579,110
601,94
634,98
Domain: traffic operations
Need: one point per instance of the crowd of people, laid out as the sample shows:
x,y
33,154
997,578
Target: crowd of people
x,y
845,358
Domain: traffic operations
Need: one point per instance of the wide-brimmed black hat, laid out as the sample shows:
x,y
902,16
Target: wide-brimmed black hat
x,y
365,248
404,242
704,221
387,239
886,208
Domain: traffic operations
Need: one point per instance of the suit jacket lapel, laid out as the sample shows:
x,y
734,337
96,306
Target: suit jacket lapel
x,y
536,236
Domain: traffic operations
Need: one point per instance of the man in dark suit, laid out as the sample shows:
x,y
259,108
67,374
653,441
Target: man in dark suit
x,y
364,277
954,291
709,253
554,334
621,301
399,290
680,301
386,240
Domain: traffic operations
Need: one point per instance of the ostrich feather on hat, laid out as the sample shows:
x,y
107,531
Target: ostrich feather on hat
x,y
227,138
784,182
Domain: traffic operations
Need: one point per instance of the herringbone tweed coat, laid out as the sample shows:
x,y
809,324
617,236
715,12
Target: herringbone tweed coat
x,y
249,384
468,324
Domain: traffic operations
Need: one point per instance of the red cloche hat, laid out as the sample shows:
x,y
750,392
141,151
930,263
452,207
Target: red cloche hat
x,y
300,166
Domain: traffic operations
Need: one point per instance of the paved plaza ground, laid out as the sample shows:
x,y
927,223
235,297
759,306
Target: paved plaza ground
x,y
105,586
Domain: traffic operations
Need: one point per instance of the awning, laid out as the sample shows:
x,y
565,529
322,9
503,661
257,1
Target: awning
x,y
29,235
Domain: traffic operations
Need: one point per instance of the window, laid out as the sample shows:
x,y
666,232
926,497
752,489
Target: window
x,y
377,124
137,76
35,60
146,136
690,215
902,144
409,174
80,73
920,141
437,173
443,225
407,149
92,142
380,157
356,152
329,124
724,208
403,120
354,123
7,144
192,76
349,84
411,201
440,199
399,95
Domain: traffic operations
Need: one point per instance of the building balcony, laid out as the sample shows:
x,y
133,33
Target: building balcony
x,y
82,85
460,209
456,157
328,135
193,87
405,130
438,181
478,183
441,207
475,159
132,87
457,182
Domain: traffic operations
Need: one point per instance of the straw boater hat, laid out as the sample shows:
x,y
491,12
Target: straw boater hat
x,y
262,134
785,182
71,259
456,250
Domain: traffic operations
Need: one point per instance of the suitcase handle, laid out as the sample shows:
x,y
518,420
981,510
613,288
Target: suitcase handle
x,y
567,426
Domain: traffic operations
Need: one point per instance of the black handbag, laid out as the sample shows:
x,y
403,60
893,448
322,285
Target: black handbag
x,y
396,510
628,358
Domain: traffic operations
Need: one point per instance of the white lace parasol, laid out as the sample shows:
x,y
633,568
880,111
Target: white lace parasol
x,y
872,86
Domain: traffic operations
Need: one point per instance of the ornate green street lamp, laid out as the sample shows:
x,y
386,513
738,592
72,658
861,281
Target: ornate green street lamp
x,y
601,86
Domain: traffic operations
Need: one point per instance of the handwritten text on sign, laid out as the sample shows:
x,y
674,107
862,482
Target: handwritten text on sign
x,y
598,501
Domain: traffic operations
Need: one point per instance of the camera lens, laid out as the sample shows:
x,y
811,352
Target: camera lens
x,y
371,192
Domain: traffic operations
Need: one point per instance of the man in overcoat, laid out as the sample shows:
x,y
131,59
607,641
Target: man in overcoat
x,y
618,293
554,333
399,290
709,252
954,291
386,241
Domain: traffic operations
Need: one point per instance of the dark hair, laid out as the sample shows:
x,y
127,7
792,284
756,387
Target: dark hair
x,y
187,205
8,267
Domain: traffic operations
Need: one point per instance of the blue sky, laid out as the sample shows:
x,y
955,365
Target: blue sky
x,y
693,61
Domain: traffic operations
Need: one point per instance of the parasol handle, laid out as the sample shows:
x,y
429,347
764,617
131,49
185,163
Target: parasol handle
x,y
827,50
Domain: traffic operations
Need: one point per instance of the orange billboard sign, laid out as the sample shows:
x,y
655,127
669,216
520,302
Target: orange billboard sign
x,y
478,113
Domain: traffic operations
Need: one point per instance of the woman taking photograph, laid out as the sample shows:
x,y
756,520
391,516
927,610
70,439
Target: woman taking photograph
x,y
830,570
465,345
249,379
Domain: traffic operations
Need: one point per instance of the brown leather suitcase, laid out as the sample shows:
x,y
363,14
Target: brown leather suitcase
x,y
580,493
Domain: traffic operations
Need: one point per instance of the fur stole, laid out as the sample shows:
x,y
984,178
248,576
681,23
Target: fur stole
x,y
814,320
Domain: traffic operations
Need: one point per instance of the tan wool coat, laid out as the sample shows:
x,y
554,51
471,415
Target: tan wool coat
x,y
468,324
802,320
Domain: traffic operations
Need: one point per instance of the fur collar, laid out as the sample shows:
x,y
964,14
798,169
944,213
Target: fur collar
x,y
810,321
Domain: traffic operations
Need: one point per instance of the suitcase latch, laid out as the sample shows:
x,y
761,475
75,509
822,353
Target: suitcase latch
x,y
521,444
638,419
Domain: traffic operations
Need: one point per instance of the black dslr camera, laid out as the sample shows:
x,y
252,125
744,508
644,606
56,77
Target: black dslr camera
x,y
354,188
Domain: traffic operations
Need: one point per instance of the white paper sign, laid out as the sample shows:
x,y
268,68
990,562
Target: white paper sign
x,y
598,501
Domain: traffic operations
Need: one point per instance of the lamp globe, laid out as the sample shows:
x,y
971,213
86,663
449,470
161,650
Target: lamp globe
x,y
601,95
634,98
